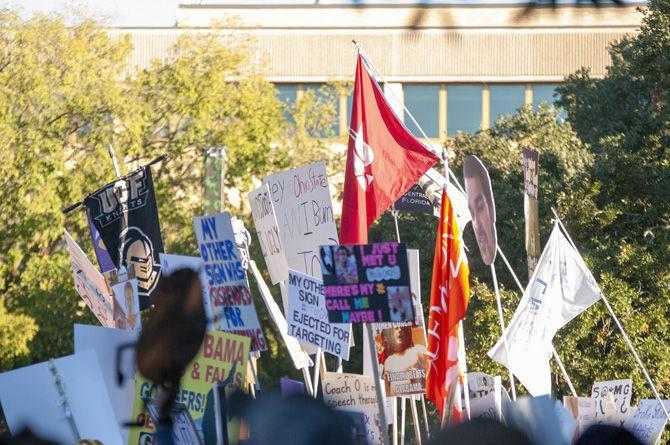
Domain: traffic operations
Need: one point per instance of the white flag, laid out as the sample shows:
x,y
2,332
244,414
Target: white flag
x,y
560,289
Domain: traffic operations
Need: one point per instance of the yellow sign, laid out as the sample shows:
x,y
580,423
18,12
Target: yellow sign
x,y
218,353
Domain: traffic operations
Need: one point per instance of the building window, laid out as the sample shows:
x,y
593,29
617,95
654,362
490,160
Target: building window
x,y
464,108
326,95
544,92
423,102
505,99
287,94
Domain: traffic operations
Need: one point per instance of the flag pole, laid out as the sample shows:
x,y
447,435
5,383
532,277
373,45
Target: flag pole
x,y
317,368
425,415
412,402
621,329
553,349
381,400
462,362
502,328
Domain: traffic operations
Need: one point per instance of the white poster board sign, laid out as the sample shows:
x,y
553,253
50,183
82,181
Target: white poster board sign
x,y
298,356
226,279
583,410
612,401
485,393
127,305
30,398
90,284
648,421
304,211
170,263
353,392
267,230
308,317
105,342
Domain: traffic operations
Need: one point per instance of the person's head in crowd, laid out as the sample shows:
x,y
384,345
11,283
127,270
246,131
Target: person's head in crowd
x,y
607,435
482,208
298,420
480,432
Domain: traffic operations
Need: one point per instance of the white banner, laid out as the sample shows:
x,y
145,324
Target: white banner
x,y
304,211
229,293
267,229
560,289
308,317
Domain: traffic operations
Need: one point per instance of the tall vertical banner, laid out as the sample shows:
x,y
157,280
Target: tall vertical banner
x,y
304,212
267,230
125,215
367,283
231,299
531,164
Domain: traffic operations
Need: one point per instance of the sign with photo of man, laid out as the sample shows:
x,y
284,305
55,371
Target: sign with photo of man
x,y
482,207
125,215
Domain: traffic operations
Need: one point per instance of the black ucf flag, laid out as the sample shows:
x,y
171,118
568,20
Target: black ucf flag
x,y
125,214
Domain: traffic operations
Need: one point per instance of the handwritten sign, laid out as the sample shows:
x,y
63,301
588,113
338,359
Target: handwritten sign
x,y
304,211
267,230
308,317
612,401
353,392
219,353
485,392
367,283
91,285
230,297
648,421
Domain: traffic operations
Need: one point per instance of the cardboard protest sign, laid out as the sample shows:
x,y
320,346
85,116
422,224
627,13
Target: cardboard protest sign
x,y
183,429
367,283
170,263
583,410
648,421
308,318
612,401
220,353
304,212
485,394
228,289
414,201
124,213
90,284
289,387
34,397
531,166
353,392
105,342
267,230
127,305
482,207
298,356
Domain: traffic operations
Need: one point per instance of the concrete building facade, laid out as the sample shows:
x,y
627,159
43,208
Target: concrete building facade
x,y
456,67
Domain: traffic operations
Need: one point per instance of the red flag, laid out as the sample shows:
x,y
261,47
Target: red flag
x,y
449,295
383,159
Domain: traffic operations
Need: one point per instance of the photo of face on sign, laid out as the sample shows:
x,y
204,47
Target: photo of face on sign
x,y
481,206
341,262
400,303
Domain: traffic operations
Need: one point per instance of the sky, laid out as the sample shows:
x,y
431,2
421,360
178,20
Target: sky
x,y
162,13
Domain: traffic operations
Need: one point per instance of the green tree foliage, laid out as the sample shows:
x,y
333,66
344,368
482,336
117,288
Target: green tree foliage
x,y
64,101
620,213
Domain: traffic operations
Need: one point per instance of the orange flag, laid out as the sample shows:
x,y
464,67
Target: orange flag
x,y
449,295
